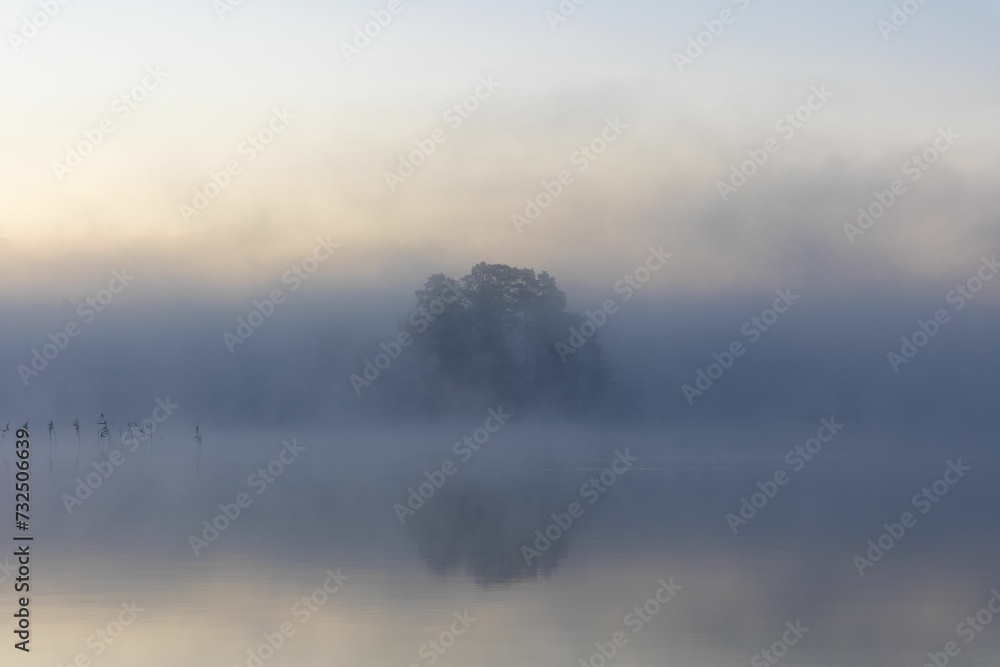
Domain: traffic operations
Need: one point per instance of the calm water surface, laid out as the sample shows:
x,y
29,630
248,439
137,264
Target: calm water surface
x,y
455,585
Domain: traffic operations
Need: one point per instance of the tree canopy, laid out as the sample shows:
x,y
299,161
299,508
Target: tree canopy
x,y
493,336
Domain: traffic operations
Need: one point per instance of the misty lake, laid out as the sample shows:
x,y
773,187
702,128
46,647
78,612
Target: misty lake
x,y
531,544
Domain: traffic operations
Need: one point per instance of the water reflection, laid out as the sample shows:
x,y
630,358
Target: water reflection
x,y
462,549
480,526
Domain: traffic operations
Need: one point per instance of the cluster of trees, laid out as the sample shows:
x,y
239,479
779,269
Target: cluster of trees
x,y
491,337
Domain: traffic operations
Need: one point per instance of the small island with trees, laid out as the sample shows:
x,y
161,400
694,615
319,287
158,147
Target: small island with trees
x,y
497,336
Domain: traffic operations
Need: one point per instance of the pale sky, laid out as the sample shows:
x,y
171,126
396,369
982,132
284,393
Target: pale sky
x,y
657,183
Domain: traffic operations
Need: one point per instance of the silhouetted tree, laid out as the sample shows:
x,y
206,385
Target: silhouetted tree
x,y
493,335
